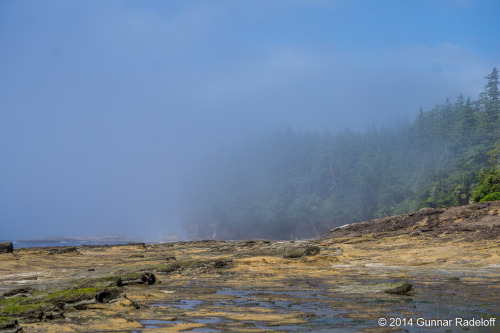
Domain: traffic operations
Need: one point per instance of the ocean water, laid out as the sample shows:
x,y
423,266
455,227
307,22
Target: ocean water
x,y
23,245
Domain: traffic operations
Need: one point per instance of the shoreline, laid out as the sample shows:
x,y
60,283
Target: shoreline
x,y
430,265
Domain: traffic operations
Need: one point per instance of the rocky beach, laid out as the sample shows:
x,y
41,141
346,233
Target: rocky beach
x,y
434,270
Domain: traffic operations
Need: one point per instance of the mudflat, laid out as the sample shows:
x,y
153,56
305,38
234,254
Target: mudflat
x,y
432,270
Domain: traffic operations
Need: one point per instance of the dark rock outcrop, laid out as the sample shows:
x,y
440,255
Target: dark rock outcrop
x,y
9,325
6,248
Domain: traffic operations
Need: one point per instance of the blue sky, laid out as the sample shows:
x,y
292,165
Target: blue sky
x,y
105,106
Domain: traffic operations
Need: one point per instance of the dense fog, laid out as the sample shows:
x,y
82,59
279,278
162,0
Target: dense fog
x,y
153,118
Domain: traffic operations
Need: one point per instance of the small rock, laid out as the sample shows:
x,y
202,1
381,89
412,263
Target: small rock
x,y
396,288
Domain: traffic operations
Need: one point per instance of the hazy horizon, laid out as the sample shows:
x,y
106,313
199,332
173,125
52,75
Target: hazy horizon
x,y
106,107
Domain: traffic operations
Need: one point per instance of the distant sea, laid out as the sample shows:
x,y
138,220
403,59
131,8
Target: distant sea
x,y
22,245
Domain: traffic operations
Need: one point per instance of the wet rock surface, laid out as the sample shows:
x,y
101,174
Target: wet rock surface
x,y
343,282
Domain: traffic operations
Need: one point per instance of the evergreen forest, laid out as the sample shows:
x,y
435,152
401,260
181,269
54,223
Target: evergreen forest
x,y
289,184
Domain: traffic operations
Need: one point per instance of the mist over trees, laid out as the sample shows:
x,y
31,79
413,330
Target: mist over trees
x,y
291,184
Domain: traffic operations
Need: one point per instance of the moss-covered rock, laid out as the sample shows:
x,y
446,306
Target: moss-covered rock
x,y
27,312
54,304
71,295
13,301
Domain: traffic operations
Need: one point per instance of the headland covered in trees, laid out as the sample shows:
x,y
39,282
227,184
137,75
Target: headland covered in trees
x,y
291,184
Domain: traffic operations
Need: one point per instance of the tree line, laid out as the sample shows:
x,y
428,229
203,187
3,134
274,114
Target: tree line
x,y
291,184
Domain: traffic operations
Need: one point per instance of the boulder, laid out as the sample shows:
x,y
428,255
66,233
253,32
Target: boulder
x,y
6,248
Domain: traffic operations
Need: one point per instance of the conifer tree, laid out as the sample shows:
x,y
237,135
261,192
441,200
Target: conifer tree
x,y
490,100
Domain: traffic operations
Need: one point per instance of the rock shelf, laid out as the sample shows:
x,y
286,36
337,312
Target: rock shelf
x,y
429,264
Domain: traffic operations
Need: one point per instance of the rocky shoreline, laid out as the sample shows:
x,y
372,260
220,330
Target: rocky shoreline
x,y
410,265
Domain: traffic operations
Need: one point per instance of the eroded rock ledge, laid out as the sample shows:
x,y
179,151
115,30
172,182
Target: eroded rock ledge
x,y
470,222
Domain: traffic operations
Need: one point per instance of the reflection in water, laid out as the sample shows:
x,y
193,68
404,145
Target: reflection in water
x,y
327,309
